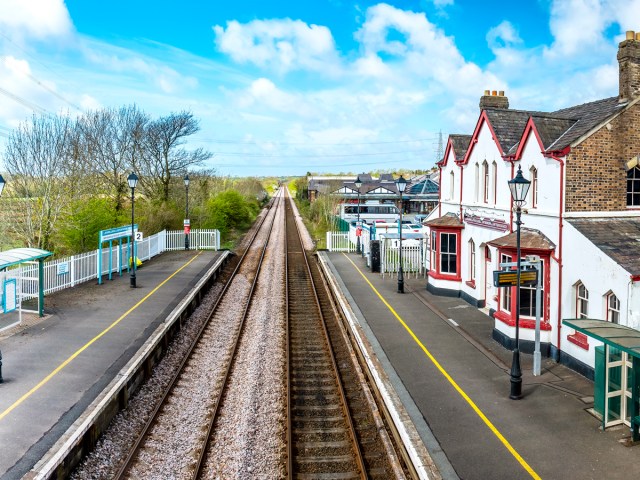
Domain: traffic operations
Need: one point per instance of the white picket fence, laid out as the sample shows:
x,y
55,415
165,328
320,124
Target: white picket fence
x,y
413,257
415,252
70,271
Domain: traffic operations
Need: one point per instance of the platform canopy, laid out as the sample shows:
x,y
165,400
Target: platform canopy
x,y
624,338
17,256
21,255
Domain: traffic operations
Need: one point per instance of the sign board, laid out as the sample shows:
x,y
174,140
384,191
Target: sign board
x,y
138,236
115,233
63,268
9,298
509,278
187,229
187,222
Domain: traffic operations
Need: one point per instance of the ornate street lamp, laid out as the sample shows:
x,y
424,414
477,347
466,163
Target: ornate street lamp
x,y
401,184
519,187
2,182
358,184
133,181
187,224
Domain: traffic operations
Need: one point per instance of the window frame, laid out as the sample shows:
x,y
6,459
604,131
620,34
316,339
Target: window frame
x,y
581,301
533,175
634,181
486,182
613,313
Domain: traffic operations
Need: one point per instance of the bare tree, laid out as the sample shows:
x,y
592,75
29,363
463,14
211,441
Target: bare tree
x,y
110,141
41,167
162,158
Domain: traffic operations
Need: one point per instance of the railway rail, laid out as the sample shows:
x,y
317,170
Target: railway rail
x,y
332,429
271,387
220,333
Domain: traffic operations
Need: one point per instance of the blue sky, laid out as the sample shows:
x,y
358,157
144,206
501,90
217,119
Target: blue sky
x,y
282,88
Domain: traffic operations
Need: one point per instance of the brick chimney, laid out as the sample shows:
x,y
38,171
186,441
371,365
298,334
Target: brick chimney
x,y
494,100
629,67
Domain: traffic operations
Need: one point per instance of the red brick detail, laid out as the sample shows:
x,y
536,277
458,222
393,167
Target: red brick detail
x,y
505,317
579,339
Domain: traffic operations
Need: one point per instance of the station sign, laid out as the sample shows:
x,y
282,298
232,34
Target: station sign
x,y
509,278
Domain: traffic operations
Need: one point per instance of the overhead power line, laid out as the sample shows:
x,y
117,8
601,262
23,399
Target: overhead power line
x,y
23,101
276,155
235,142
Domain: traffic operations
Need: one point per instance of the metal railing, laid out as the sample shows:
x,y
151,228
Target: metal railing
x,y
70,271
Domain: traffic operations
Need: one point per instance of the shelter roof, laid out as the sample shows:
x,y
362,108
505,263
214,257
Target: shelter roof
x,y
21,255
618,336
616,237
448,220
530,239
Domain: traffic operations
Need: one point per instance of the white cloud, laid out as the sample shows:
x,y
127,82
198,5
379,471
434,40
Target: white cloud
x,y
503,35
35,18
284,45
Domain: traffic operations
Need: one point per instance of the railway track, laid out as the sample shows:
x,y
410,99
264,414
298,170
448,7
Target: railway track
x,y
219,339
333,431
271,387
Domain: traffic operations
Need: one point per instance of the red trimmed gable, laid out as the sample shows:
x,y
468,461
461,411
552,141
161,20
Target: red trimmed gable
x,y
531,126
474,138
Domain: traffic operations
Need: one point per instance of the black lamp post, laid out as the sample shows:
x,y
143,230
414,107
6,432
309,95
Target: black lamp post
x,y
186,217
2,182
401,184
519,187
358,184
133,181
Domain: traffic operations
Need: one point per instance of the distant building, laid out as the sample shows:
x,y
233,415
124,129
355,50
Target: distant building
x,y
421,194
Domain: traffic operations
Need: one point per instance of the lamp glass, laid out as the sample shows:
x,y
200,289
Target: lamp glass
x,y
358,182
133,180
519,186
2,183
401,183
186,180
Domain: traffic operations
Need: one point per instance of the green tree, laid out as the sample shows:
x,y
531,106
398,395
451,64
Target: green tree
x,y
79,229
230,212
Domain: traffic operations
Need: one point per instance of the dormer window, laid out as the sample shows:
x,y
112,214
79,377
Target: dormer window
x,y
633,187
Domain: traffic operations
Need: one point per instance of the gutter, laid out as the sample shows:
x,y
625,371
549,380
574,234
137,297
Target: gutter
x,y
554,156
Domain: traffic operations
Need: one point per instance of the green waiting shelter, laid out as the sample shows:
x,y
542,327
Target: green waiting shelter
x,y
17,256
617,371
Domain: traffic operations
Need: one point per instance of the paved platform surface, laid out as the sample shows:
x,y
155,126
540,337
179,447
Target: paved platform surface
x,y
454,381
54,367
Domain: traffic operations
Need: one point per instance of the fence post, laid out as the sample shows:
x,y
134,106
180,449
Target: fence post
x,y
73,270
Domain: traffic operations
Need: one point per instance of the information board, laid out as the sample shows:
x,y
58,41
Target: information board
x,y
509,278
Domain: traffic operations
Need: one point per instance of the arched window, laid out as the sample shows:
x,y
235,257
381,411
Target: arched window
x,y
633,187
582,301
613,308
477,190
472,261
533,176
485,176
494,167
452,185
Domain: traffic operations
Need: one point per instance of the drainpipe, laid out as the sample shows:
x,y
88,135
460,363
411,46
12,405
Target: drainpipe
x,y
440,191
560,227
513,167
461,181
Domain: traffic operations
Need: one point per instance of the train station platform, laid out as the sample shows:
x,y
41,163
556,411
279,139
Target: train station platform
x,y
454,382
54,367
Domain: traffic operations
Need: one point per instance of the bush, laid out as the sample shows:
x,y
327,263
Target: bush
x,y
231,213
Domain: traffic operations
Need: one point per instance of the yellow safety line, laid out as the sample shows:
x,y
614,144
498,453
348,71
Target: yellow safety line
x,y
89,343
462,393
